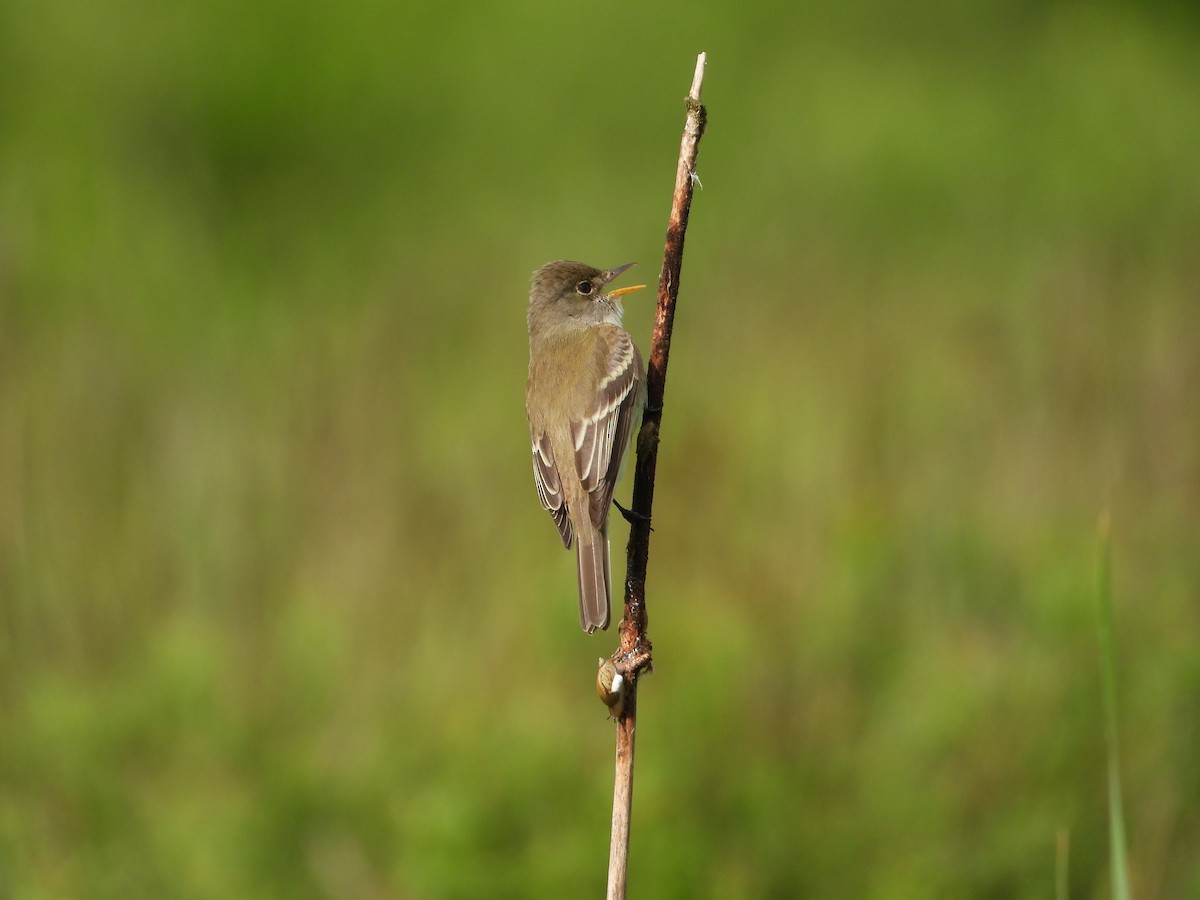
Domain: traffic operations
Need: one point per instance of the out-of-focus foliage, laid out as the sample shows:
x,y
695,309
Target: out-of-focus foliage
x,y
280,615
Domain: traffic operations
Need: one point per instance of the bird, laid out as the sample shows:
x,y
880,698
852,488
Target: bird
x,y
584,400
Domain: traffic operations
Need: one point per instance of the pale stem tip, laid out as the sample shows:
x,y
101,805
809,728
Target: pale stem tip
x,y
698,78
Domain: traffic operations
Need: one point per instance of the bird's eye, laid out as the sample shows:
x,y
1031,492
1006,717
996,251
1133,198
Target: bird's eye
x,y
584,287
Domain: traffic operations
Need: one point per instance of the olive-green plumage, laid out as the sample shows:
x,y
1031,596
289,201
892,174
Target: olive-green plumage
x,y
584,396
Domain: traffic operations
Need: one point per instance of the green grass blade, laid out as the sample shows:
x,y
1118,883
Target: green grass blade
x,y
1108,665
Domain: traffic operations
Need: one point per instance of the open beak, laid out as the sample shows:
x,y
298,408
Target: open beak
x,y
613,273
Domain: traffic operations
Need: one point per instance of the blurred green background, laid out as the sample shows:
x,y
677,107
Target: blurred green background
x,y
280,615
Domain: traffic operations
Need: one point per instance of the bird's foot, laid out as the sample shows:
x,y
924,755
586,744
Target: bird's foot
x,y
630,516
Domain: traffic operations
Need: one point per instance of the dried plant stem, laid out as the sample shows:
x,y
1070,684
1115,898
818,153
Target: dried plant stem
x,y
633,656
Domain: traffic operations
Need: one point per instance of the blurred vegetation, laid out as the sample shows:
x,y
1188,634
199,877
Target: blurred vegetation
x,y
280,615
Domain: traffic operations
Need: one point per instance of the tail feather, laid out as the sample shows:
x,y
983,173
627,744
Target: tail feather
x,y
595,589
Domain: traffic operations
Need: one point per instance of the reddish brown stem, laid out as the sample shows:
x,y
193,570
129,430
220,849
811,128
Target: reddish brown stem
x,y
634,655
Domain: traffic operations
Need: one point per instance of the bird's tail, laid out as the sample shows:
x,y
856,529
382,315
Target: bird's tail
x,y
595,589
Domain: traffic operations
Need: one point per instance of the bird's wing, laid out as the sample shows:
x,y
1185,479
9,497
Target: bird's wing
x,y
549,486
601,436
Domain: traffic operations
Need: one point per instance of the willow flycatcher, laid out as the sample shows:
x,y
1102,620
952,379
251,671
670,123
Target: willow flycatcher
x,y
584,399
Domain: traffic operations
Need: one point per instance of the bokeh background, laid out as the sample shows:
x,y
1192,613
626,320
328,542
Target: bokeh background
x,y
280,615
